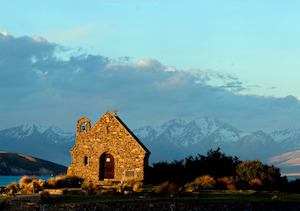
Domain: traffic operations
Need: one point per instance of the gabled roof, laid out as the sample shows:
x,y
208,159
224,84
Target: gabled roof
x,y
132,134
122,123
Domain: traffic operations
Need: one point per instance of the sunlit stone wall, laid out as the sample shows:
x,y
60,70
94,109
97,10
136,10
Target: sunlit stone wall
x,y
108,136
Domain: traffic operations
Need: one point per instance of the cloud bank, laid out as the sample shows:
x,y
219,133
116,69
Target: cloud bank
x,y
39,86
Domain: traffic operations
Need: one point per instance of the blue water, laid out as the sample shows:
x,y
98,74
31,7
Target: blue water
x,y
6,180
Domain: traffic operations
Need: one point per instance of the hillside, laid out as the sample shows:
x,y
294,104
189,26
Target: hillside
x,y
18,164
289,163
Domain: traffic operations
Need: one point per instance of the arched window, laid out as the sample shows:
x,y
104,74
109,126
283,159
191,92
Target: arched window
x,y
83,127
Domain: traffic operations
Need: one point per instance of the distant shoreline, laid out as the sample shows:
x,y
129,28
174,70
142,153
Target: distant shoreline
x,y
291,175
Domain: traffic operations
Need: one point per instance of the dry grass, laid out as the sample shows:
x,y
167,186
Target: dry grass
x,y
24,180
204,182
138,187
255,184
167,189
225,183
130,182
51,183
13,188
92,189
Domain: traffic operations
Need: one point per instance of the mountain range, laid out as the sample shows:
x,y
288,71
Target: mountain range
x,y
175,139
49,143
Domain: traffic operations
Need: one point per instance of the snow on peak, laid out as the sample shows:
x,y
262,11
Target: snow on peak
x,y
56,130
282,135
184,134
31,129
174,122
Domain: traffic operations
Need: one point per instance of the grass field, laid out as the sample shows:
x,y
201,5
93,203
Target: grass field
x,y
205,196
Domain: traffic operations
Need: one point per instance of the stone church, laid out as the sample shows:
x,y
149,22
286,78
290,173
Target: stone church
x,y
108,151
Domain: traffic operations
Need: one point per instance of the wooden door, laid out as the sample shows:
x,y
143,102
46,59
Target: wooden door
x,y
109,166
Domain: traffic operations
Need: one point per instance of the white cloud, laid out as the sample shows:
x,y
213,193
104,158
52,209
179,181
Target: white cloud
x,y
5,33
149,63
244,93
170,69
38,39
61,91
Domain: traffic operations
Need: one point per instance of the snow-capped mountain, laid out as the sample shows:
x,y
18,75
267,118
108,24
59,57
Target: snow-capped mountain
x,y
22,131
184,134
186,139
289,138
175,139
50,143
52,133
178,139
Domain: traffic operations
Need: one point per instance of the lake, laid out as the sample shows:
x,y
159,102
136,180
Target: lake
x,y
6,180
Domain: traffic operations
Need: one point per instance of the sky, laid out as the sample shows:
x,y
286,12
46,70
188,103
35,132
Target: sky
x,y
152,60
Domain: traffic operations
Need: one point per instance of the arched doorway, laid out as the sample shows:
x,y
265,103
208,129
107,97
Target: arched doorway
x,y
107,166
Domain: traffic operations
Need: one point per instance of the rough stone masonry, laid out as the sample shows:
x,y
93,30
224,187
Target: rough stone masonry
x,y
107,152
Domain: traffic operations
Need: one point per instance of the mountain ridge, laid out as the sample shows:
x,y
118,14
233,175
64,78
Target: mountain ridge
x,y
175,139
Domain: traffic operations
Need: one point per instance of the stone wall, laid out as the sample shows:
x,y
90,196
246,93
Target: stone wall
x,y
108,136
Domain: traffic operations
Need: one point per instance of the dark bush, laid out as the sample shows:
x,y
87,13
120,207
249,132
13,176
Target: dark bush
x,y
167,189
44,196
225,183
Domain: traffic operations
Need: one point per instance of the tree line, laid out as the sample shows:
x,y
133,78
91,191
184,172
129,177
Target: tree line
x,y
245,174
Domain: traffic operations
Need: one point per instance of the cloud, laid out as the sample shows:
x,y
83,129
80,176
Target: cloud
x,y
37,86
4,33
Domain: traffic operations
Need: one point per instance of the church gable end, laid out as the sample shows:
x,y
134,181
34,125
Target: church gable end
x,y
107,151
